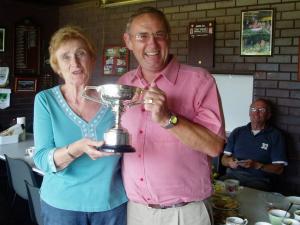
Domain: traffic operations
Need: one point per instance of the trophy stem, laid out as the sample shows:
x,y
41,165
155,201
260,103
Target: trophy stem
x,y
117,109
117,120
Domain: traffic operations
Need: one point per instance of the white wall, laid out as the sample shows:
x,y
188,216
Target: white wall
x,y
236,93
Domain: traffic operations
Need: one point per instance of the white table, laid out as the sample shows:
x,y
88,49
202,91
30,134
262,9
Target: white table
x,y
17,150
252,205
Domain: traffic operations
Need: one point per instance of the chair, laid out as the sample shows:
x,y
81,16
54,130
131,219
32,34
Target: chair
x,y
217,164
19,171
34,203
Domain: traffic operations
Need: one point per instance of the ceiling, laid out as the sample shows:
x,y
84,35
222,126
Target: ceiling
x,y
51,2
69,2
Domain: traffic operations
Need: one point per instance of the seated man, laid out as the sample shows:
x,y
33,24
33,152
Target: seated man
x,y
255,153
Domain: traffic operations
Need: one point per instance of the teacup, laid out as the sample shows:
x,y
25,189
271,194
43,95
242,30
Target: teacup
x,y
231,186
276,216
29,151
289,221
297,214
236,221
262,223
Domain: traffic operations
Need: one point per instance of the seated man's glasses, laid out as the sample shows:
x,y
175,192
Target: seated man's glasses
x,y
262,110
144,36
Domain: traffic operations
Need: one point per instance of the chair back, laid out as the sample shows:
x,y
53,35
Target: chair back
x,y
19,171
34,202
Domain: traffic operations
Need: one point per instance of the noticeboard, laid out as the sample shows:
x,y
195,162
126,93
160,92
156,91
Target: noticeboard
x,y
201,44
26,48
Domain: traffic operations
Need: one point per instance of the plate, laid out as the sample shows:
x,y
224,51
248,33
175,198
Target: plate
x,y
294,199
223,202
224,206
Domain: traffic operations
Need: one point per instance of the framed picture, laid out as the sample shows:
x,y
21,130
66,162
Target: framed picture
x,y
2,39
115,60
257,32
25,84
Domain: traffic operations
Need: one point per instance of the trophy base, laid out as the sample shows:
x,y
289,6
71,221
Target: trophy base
x,y
117,148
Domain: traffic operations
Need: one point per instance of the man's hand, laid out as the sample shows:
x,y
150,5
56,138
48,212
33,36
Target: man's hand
x,y
156,102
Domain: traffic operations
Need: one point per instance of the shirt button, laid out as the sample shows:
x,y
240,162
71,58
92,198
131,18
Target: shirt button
x,y
139,155
140,131
141,179
143,110
148,199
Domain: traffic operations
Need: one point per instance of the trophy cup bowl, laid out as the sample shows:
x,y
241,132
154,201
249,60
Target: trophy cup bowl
x,y
117,97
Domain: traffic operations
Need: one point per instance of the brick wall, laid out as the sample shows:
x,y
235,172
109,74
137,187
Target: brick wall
x,y
275,77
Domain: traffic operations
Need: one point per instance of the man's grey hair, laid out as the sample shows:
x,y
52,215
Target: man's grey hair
x,y
149,10
267,103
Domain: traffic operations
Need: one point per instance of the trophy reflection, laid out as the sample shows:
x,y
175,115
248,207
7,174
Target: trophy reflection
x,y
117,97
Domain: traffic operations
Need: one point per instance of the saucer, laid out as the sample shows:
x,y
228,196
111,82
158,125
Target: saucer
x,y
294,199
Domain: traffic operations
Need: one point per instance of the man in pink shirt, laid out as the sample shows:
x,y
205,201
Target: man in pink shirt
x,y
175,133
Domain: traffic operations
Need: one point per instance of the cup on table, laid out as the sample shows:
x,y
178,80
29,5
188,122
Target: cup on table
x,y
233,220
29,151
289,221
276,216
262,223
297,214
231,186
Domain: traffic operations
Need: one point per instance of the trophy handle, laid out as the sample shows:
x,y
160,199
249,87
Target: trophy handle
x,y
85,95
137,99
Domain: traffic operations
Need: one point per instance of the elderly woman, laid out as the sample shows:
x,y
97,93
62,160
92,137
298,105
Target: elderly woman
x,y
81,185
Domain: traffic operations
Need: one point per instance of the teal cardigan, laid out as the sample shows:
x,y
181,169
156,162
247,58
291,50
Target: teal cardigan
x,y
85,185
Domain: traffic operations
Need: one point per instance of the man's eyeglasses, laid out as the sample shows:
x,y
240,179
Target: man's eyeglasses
x,y
262,110
144,36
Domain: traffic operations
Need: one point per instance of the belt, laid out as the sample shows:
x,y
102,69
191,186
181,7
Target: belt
x,y
157,206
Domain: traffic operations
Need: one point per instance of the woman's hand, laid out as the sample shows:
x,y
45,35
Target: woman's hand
x,y
65,155
88,147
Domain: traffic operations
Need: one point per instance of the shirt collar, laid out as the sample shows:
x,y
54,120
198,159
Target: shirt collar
x,y
170,72
267,128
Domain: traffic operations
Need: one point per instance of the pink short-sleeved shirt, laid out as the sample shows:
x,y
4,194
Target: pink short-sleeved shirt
x,y
163,170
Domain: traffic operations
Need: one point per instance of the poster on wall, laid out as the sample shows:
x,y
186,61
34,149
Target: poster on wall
x,y
115,60
4,98
4,72
257,32
26,48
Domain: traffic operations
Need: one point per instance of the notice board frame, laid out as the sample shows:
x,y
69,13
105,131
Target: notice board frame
x,y
26,60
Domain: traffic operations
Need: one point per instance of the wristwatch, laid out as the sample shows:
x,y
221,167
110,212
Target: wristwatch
x,y
173,120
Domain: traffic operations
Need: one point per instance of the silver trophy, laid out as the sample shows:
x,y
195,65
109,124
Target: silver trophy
x,y
118,97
